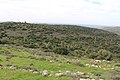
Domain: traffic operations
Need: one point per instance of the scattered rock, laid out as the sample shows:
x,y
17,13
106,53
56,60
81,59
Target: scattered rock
x,y
101,79
51,75
51,61
80,73
59,71
86,79
59,74
45,73
87,65
108,62
35,72
103,60
98,61
59,64
13,67
73,74
32,70
68,72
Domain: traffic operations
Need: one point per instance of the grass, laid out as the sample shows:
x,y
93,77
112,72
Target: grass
x,y
6,74
59,63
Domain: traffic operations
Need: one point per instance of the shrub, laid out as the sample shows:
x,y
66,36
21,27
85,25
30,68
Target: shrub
x,y
104,54
62,51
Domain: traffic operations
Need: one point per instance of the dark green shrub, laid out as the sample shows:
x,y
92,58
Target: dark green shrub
x,y
62,51
104,55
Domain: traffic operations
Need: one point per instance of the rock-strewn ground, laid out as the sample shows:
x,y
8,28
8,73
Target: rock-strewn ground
x,y
16,63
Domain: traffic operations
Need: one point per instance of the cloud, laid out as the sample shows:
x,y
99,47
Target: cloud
x,y
61,11
94,1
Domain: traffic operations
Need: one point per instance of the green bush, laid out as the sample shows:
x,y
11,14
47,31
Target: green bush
x,y
92,55
33,45
78,53
62,51
104,54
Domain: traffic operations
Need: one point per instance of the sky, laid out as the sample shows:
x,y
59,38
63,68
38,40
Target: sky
x,y
93,12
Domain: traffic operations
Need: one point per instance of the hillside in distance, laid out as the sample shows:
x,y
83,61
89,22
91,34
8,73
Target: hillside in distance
x,y
62,39
113,29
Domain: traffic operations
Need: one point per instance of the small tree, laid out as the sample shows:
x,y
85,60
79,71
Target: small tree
x,y
78,53
62,51
104,54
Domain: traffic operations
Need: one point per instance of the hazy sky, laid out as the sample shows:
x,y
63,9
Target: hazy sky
x,y
96,12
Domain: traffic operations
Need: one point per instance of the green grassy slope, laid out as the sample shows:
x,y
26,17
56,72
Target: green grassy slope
x,y
20,58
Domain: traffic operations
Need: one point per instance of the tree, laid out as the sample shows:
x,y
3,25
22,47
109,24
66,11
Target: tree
x,y
62,51
104,54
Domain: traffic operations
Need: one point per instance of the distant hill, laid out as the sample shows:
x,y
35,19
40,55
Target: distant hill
x,y
92,26
61,39
113,29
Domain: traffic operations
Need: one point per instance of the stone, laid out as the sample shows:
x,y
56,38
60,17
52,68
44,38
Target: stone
x,y
80,73
87,64
12,67
98,61
35,72
73,74
59,74
86,79
67,72
32,70
45,73
51,61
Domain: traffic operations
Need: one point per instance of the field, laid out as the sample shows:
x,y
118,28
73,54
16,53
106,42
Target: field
x,y
18,63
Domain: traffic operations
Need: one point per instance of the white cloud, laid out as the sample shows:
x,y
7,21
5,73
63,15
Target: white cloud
x,y
101,12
